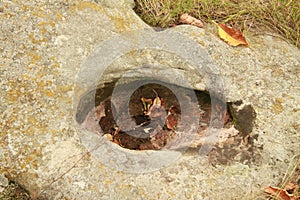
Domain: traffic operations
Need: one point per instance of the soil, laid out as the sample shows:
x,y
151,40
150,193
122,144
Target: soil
x,y
147,125
139,130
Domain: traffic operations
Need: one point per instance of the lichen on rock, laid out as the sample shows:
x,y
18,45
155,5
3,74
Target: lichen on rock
x,y
43,45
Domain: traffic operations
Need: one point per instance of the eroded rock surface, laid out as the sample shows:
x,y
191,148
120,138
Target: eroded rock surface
x,y
43,46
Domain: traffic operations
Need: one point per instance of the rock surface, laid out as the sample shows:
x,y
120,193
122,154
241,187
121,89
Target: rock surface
x,y
43,46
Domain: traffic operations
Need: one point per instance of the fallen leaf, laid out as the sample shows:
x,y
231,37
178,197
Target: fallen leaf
x,y
280,194
147,146
231,35
188,19
171,119
291,187
116,141
157,108
146,103
171,122
157,102
162,138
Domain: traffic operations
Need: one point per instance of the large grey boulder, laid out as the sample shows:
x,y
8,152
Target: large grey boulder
x,y
45,46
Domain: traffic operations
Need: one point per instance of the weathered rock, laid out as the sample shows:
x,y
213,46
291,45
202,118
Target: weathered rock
x,y
43,46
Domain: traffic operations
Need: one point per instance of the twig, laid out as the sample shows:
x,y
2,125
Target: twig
x,y
64,173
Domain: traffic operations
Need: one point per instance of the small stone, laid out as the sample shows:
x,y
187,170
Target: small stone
x,y
108,137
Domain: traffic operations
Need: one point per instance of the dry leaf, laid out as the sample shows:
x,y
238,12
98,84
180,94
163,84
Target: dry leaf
x,y
280,194
157,102
116,141
146,103
172,118
157,109
291,187
171,121
231,35
188,19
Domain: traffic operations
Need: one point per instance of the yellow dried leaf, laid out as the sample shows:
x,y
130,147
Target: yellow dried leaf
x,y
231,35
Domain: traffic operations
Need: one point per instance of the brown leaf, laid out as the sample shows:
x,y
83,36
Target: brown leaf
x,y
231,35
188,19
280,194
291,187
116,141
157,109
162,138
171,119
147,146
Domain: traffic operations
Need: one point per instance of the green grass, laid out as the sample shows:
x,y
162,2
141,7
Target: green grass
x,y
257,16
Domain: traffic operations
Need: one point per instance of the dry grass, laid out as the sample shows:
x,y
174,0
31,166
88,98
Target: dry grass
x,y
259,16
14,192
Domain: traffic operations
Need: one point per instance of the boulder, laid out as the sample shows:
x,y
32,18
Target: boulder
x,y
47,52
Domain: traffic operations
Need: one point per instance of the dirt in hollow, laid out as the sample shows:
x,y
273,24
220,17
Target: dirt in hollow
x,y
153,118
